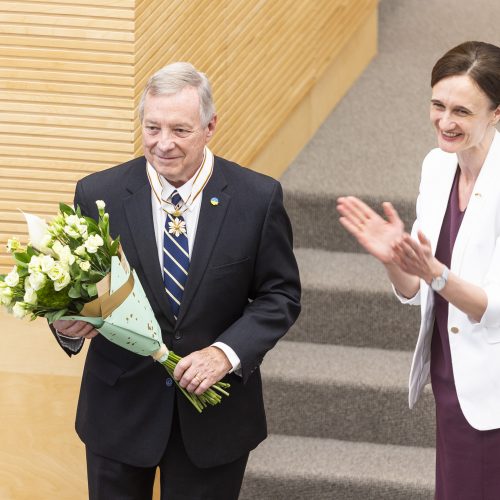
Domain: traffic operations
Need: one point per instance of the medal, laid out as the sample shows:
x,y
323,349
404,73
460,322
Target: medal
x,y
202,177
177,227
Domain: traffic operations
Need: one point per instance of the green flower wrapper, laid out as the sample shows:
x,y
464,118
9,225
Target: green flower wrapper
x,y
123,315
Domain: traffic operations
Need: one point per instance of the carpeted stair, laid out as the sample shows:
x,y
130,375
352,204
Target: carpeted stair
x,y
336,388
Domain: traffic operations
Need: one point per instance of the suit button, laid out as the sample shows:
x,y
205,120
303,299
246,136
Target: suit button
x,y
169,382
177,335
454,329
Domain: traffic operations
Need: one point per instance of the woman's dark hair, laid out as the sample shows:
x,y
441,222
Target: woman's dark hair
x,y
479,60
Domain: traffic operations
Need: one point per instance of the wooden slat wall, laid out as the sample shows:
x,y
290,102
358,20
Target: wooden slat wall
x,y
261,56
66,100
72,72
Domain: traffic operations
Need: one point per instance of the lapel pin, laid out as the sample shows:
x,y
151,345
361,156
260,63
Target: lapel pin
x,y
214,201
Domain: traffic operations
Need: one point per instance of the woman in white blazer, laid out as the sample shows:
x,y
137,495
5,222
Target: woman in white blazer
x,y
450,266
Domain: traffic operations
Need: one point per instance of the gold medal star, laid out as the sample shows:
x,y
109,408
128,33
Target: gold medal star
x,y
177,227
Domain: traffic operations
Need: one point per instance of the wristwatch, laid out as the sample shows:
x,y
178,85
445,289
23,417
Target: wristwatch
x,y
439,282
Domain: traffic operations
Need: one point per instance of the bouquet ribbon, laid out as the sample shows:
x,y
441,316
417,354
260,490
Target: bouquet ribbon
x,y
106,301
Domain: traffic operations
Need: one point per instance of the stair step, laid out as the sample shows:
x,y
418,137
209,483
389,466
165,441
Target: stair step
x,y
347,299
299,468
315,218
345,393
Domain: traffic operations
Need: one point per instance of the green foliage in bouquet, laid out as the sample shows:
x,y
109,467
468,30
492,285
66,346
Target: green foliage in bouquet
x,y
57,272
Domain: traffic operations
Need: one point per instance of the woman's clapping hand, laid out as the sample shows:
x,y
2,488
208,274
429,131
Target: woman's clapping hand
x,y
374,233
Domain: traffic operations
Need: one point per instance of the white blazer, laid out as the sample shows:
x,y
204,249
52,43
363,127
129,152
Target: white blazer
x,y
475,347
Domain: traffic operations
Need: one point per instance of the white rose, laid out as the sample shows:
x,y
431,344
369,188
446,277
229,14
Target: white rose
x,y
66,257
56,272
57,247
12,279
35,264
93,242
72,220
71,232
19,310
100,205
80,250
5,294
64,253
46,263
61,282
84,265
30,296
82,229
36,280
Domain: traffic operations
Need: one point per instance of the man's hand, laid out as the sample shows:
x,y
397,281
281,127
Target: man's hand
x,y
75,329
198,371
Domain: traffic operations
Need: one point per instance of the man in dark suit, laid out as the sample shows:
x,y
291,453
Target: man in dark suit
x,y
222,301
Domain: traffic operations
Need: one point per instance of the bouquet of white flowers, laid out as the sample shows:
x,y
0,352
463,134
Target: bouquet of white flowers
x,y
73,269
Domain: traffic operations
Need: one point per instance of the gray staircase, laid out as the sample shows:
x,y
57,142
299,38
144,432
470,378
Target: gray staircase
x,y
347,300
346,393
336,386
306,468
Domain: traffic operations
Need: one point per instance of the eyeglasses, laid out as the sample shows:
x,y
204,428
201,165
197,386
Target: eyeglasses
x,y
177,132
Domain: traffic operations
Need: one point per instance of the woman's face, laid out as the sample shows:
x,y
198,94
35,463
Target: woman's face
x,y
461,114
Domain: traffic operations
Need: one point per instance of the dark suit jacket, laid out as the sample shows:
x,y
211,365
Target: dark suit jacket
x,y
243,289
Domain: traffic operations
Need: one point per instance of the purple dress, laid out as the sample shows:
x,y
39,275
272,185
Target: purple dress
x,y
467,460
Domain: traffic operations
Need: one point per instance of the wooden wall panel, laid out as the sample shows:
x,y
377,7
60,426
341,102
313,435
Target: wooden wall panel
x,y
72,72
66,100
262,57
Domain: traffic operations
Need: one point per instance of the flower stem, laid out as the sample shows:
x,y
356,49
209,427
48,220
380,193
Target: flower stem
x,y
209,397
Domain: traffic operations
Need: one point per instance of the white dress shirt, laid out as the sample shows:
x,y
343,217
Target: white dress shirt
x,y
164,191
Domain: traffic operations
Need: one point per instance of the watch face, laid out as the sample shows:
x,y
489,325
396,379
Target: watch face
x,y
438,283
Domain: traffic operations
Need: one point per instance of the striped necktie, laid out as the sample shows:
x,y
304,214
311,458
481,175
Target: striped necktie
x,y
175,256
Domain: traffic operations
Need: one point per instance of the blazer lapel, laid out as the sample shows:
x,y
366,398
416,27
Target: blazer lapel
x,y
138,211
486,186
437,187
209,224
436,203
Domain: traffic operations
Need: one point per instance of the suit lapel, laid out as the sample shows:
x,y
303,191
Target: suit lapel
x,y
209,224
138,211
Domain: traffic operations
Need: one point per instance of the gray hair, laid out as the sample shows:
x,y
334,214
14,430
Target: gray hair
x,y
173,78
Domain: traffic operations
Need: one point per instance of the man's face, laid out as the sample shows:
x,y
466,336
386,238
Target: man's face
x,y
172,135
